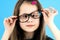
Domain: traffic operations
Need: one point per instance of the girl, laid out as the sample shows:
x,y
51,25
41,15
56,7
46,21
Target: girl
x,y
28,21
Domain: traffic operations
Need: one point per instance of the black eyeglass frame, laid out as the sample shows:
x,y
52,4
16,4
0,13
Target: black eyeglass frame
x,y
30,15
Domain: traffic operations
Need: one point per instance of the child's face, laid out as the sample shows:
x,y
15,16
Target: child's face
x,y
31,23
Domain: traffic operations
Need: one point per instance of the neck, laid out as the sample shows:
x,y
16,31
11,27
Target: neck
x,y
29,35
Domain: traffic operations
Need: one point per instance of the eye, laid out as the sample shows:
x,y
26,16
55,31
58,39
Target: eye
x,y
33,15
25,15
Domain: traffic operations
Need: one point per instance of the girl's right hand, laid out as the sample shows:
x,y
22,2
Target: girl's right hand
x,y
9,23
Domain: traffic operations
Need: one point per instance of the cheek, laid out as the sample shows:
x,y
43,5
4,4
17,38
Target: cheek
x,y
27,29
22,25
37,22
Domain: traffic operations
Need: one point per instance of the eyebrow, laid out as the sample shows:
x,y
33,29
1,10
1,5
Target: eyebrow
x,y
34,11
31,12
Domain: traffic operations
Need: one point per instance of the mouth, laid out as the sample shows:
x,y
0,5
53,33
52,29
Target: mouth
x,y
30,25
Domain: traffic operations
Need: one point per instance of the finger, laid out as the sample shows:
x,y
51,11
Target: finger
x,y
46,11
13,17
10,20
15,21
54,11
6,21
44,15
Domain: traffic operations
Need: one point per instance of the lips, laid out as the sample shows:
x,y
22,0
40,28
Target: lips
x,y
29,25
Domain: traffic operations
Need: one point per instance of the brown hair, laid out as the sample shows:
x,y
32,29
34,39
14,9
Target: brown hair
x,y
18,33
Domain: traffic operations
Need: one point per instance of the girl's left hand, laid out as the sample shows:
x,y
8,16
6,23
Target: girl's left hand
x,y
49,14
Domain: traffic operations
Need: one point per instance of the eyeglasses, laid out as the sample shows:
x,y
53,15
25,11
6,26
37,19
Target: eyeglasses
x,y
25,17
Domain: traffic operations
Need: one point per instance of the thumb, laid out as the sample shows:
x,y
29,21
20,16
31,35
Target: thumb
x,y
14,22
44,15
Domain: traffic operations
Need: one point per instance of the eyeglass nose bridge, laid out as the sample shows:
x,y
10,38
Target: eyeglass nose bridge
x,y
29,15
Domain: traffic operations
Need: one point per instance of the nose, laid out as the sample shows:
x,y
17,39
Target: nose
x,y
30,19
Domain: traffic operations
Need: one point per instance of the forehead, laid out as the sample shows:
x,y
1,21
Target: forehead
x,y
27,8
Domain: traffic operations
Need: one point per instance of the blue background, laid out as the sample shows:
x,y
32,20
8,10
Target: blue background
x,y
7,8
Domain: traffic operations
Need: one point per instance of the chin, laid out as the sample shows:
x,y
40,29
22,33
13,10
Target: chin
x,y
29,30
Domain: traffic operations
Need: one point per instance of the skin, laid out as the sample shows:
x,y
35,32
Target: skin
x,y
28,8
49,20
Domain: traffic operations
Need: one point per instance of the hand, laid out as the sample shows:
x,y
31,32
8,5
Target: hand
x,y
9,23
49,14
